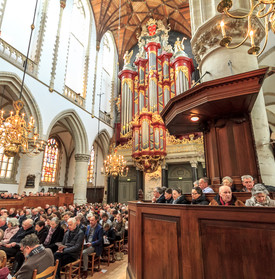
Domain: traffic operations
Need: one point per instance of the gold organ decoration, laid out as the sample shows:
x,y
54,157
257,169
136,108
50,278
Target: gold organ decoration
x,y
17,135
259,9
160,74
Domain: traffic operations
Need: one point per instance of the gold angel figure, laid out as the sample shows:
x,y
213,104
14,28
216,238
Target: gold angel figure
x,y
127,57
179,46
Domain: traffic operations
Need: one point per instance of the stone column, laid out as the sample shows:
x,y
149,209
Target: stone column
x,y
30,166
95,75
164,177
80,179
220,62
112,189
194,167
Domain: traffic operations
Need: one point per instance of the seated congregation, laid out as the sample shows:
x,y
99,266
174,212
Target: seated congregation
x,y
39,238
225,196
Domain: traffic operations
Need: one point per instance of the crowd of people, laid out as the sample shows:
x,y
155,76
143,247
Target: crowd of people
x,y
225,197
43,235
16,196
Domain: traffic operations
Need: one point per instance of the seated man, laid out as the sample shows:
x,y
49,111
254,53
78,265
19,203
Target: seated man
x,y
226,198
37,257
12,249
41,231
94,242
71,246
203,184
168,196
158,195
248,183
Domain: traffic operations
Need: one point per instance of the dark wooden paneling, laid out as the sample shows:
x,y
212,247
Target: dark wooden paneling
x,y
237,247
200,242
157,227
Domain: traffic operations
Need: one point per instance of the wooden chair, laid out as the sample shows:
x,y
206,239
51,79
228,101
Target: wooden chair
x,y
51,270
73,269
119,244
109,251
94,259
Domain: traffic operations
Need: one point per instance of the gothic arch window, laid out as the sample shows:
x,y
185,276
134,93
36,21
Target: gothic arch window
x,y
107,71
90,175
6,166
78,47
51,161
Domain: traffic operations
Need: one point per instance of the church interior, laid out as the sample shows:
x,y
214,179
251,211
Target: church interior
x,y
107,100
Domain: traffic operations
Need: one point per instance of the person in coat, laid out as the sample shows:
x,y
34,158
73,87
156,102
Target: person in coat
x,y
71,246
178,197
198,197
37,257
41,231
94,242
260,197
225,198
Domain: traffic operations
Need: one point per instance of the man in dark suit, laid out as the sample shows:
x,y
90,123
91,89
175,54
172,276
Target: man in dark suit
x,y
71,246
158,195
94,240
37,257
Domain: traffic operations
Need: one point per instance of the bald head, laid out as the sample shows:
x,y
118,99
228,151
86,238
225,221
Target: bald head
x,y
225,193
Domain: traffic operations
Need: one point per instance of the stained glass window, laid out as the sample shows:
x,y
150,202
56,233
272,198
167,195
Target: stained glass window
x,y
6,165
91,166
50,161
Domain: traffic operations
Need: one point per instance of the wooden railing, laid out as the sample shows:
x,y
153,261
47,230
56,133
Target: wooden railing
x,y
58,200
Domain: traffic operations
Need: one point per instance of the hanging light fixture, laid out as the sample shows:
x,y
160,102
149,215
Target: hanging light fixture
x,y
265,9
115,165
16,134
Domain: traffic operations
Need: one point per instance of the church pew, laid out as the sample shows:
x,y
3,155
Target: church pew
x,y
185,241
58,200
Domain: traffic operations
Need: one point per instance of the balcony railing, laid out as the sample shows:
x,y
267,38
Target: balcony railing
x,y
104,116
17,58
73,96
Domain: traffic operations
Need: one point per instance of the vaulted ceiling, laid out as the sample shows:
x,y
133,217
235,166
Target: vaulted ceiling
x,y
130,15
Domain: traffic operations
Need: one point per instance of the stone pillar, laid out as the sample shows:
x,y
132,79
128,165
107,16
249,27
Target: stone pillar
x,y
220,62
194,167
80,179
30,166
112,189
164,177
95,77
139,181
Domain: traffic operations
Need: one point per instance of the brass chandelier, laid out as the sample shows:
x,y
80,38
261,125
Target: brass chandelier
x,y
260,9
16,134
115,165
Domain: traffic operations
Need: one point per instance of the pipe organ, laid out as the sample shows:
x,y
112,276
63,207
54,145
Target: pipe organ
x,y
159,74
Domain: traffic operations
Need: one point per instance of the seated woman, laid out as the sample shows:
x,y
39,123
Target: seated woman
x,y
109,235
228,181
226,198
13,227
198,197
260,197
119,227
178,197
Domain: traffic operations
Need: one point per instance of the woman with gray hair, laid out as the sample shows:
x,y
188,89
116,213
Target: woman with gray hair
x,y
13,227
260,197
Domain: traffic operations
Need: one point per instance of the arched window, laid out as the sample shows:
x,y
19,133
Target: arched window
x,y
90,175
6,165
78,47
50,161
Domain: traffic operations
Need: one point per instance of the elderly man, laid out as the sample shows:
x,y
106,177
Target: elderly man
x,y
158,195
37,257
94,242
226,198
248,183
203,184
71,246
12,249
